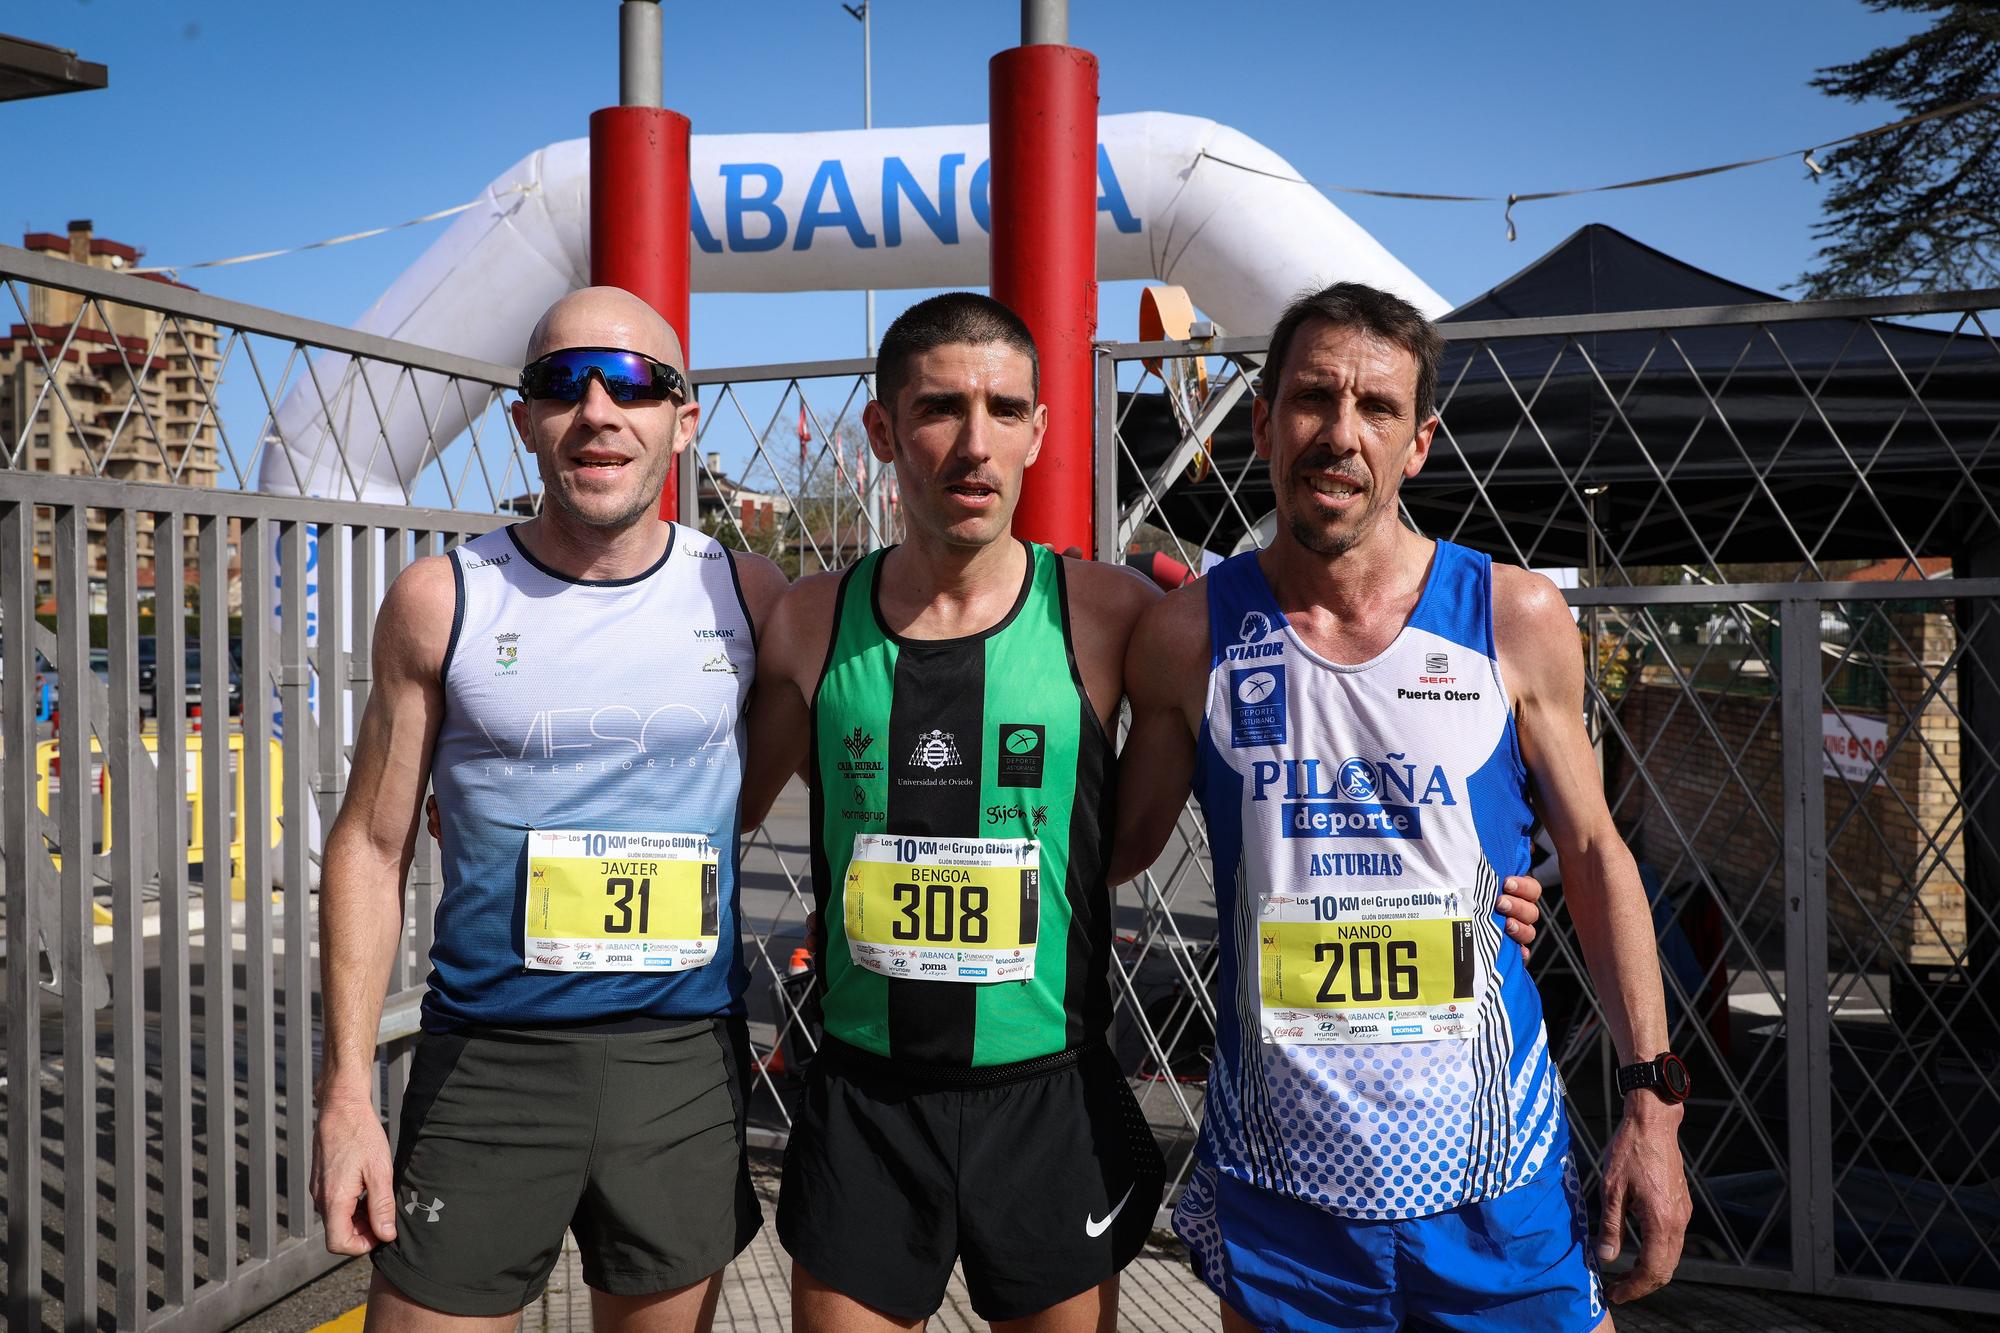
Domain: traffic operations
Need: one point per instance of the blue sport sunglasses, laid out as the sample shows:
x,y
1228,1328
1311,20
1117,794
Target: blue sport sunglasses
x,y
627,376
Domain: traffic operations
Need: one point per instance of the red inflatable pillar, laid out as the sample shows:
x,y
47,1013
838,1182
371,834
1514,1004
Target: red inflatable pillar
x,y
639,237
1043,97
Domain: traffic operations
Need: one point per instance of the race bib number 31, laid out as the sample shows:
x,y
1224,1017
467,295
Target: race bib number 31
x,y
1338,982
601,901
943,909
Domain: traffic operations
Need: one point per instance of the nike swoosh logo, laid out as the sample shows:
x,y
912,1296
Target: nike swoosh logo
x,y
1094,1228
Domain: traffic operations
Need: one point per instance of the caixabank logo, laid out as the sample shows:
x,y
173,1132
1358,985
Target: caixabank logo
x,y
1353,798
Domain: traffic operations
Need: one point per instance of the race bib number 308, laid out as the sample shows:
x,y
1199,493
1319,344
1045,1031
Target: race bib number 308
x,y
1394,979
604,901
943,909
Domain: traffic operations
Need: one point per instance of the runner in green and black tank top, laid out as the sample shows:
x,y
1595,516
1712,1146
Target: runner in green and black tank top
x,y
976,782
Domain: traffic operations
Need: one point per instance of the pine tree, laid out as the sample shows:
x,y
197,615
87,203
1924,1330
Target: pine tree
x,y
1917,209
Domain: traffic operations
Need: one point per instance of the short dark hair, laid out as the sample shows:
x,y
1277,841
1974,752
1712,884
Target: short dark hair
x,y
941,321
1353,305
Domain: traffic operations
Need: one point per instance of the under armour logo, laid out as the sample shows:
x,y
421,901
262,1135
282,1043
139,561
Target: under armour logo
x,y
431,1209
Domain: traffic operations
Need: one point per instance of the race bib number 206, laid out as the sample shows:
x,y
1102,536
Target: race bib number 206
x,y
605,901
1392,978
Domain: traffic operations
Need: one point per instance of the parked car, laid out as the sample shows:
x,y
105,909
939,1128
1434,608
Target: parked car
x,y
149,676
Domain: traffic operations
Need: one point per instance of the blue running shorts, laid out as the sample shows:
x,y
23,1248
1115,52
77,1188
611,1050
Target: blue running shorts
x,y
1520,1261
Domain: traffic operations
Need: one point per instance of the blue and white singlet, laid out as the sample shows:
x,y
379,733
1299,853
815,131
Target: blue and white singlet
x,y
610,706
1379,1046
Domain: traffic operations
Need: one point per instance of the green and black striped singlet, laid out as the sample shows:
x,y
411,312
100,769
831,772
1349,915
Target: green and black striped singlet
x,y
969,747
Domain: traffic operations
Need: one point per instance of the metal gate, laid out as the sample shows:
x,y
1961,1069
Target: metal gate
x,y
1821,846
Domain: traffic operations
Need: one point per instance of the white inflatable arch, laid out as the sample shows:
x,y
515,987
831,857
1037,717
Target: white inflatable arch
x,y
1181,200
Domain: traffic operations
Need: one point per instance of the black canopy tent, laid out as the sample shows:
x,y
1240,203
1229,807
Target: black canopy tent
x,y
1756,442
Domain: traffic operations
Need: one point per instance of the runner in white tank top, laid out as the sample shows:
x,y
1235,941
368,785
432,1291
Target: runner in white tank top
x,y
574,686
1364,714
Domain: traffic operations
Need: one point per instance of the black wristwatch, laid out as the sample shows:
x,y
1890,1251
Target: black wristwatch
x,y
1664,1075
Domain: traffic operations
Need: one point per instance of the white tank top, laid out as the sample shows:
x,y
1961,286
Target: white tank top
x,y
578,704
1379,1046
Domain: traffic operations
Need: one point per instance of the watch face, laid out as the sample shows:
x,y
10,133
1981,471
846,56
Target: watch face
x,y
1675,1075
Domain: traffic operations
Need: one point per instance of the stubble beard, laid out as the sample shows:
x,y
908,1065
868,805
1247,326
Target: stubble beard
x,y
645,499
1327,539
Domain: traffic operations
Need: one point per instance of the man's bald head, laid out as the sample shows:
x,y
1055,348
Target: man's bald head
x,y
605,317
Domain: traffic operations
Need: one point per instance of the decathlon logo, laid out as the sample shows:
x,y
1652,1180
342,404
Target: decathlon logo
x,y
431,1209
936,749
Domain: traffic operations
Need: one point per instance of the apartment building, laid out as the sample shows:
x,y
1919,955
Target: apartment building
x,y
98,389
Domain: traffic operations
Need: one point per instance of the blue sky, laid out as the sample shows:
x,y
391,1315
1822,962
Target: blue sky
x,y
230,127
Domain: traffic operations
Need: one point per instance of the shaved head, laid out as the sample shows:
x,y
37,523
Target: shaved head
x,y
605,317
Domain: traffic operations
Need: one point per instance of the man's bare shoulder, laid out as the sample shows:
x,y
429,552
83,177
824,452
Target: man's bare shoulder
x,y
1107,591
1528,607
802,620
1535,634
413,626
763,584
1170,646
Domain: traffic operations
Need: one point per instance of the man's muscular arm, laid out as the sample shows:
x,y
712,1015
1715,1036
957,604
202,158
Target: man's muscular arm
x,y
1542,662
1166,680
1105,603
361,899
790,652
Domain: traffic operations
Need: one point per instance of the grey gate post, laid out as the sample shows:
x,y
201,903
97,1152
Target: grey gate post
x,y
1979,767
1809,1124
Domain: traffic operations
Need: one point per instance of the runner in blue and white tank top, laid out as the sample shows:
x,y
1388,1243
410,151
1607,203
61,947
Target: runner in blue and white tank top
x,y
573,688
1363,715
1387,798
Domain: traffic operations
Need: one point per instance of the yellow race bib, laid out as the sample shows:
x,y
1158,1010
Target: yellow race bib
x,y
604,901
943,909
1366,975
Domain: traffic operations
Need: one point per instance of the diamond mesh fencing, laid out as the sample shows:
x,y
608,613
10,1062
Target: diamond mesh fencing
x,y
104,375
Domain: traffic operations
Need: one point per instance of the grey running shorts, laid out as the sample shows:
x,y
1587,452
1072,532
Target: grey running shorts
x,y
633,1140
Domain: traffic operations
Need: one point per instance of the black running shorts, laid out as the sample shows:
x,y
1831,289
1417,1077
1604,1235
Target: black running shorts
x,y
1044,1185
633,1140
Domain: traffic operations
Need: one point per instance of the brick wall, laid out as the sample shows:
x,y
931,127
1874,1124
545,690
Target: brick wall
x,y
1711,795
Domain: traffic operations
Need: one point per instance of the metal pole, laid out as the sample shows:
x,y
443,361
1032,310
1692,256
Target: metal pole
x,y
639,237
1043,129
872,509
1045,22
640,74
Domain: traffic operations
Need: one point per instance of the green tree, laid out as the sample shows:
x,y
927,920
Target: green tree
x,y
1918,208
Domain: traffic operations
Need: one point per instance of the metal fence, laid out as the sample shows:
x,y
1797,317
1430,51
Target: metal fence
x,y
1820,847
